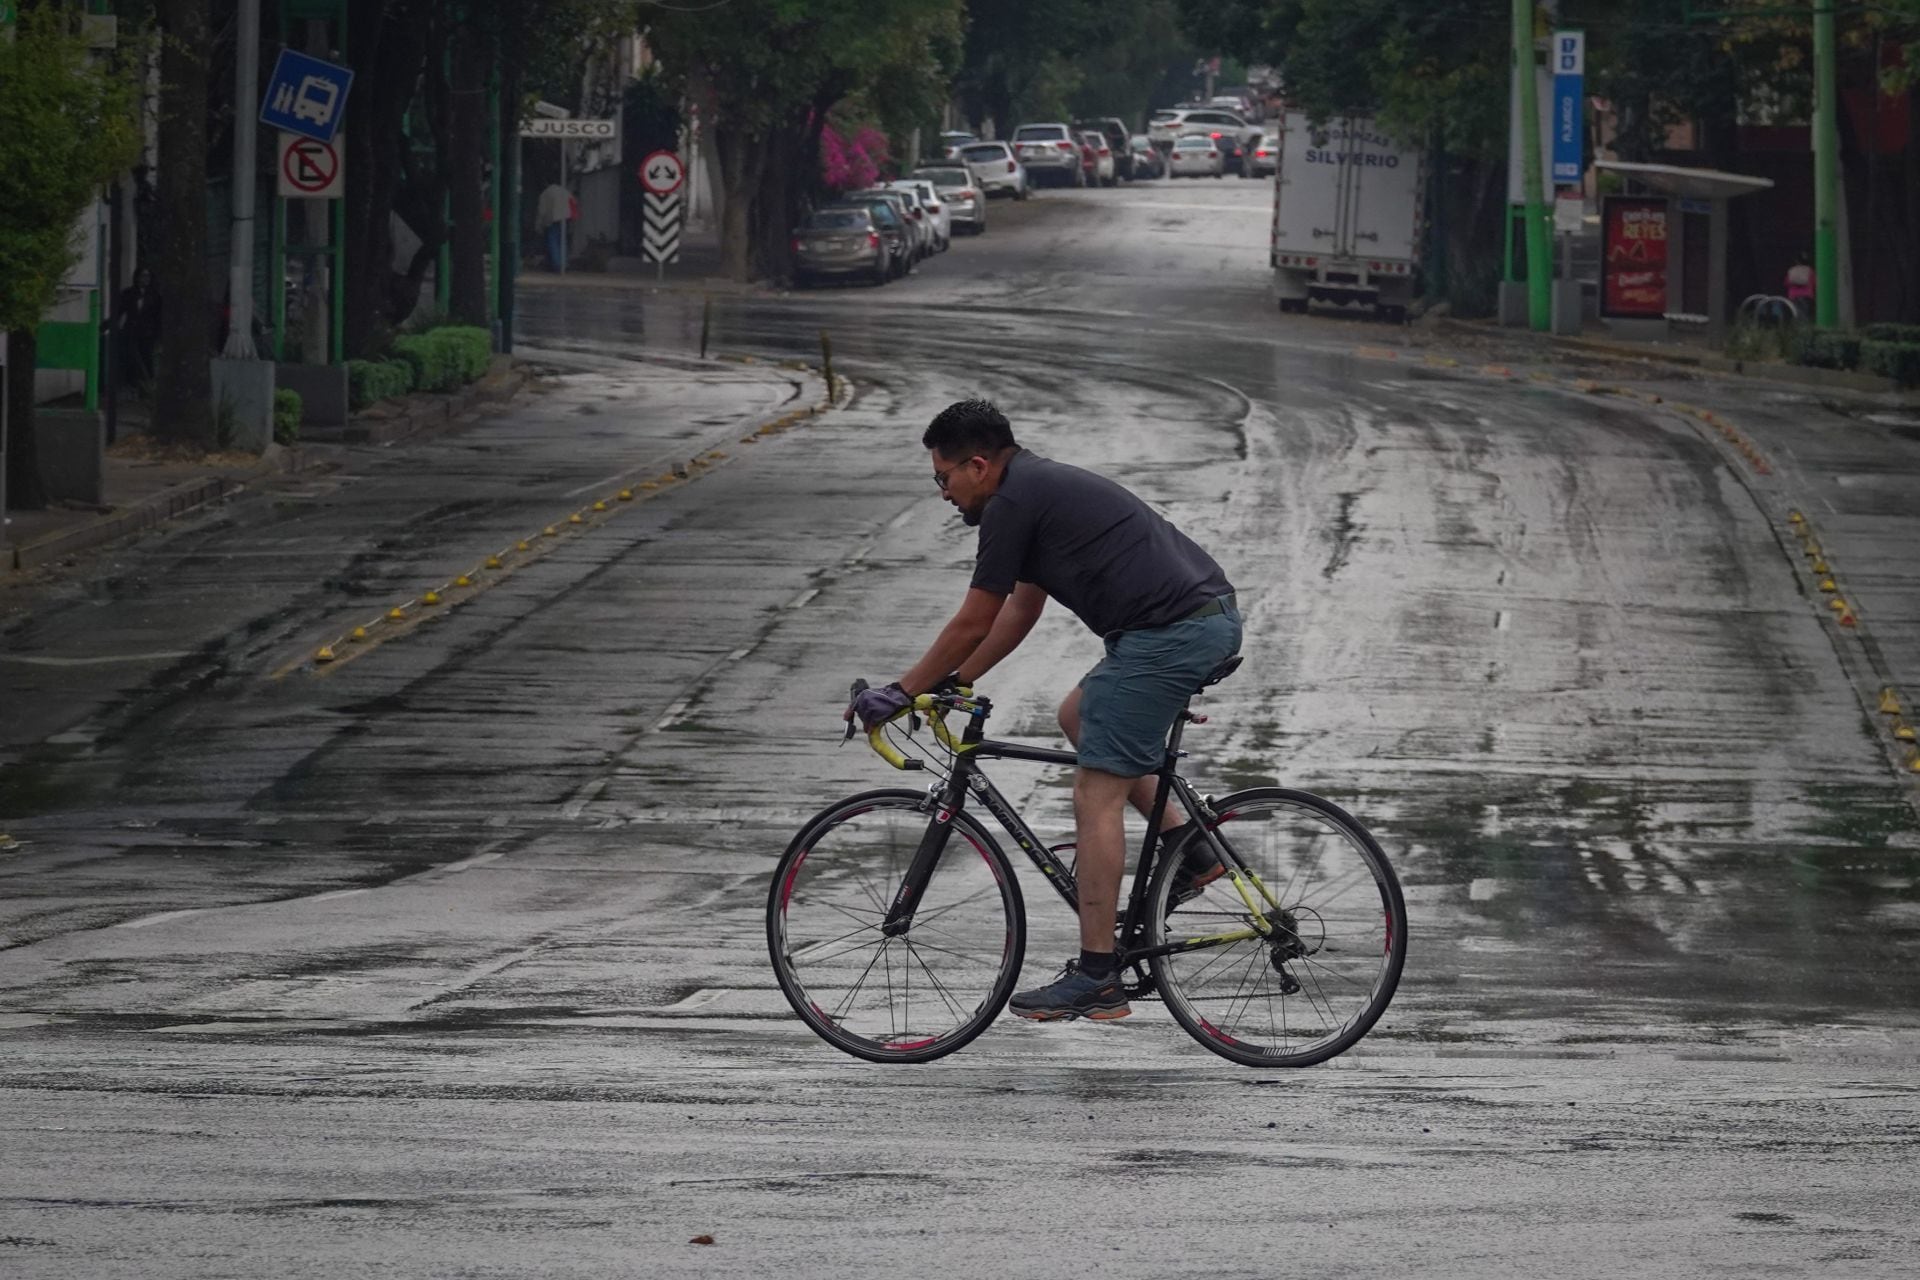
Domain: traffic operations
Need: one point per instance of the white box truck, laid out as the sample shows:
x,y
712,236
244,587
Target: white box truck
x,y
1347,216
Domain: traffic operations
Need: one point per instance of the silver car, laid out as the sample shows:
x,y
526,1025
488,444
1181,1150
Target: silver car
x,y
840,242
919,230
996,169
1050,151
1195,156
964,198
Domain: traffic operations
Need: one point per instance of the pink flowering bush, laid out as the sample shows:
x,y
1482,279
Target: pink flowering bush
x,y
848,164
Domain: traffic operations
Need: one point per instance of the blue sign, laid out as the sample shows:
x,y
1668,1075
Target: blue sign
x,y
306,96
1569,106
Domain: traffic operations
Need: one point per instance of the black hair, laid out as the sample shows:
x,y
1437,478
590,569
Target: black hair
x,y
968,428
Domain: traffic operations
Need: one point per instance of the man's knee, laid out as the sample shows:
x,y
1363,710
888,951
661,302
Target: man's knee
x,y
1095,791
1070,716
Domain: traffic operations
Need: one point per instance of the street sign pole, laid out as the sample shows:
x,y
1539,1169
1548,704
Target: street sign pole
x,y
246,79
1826,171
1539,245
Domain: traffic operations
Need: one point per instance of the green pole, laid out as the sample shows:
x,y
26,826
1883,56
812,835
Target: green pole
x,y
277,281
1539,246
1826,172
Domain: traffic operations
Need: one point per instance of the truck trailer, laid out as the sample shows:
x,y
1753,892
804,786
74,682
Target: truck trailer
x,y
1347,216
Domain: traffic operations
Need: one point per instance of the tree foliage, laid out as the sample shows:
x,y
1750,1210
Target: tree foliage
x,y
67,127
1062,59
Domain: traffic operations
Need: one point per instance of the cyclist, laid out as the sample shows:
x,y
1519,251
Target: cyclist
x,y
1161,604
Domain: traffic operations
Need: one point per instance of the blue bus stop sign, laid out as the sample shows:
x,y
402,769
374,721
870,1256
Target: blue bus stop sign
x,y
1569,106
306,96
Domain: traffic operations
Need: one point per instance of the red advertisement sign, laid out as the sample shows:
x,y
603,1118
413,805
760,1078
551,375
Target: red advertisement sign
x,y
1633,279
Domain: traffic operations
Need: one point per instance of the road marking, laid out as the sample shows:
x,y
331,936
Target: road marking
x,y
162,918
673,713
477,860
800,601
336,893
105,660
1501,619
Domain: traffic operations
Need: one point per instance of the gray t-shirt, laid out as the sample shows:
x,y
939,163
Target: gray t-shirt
x,y
1092,546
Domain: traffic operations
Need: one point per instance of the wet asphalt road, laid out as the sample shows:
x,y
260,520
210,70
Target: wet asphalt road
x,y
448,959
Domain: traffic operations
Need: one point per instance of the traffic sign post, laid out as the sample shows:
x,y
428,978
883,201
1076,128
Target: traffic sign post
x,y
662,175
570,130
306,96
1569,106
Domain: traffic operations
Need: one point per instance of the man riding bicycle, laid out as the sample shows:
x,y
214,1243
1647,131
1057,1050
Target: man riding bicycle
x,y
1161,604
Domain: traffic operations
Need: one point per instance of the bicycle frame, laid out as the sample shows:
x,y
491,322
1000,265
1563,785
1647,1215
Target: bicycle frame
x,y
966,779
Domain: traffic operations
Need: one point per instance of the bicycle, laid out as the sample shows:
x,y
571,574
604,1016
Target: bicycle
x,y
1285,960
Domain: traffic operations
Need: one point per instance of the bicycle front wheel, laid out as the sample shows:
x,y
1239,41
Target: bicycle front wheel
x,y
1323,973
915,995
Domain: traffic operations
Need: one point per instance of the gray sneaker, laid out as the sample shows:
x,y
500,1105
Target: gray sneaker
x,y
1073,995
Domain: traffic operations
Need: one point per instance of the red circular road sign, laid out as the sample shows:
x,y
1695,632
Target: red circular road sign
x,y
662,173
310,165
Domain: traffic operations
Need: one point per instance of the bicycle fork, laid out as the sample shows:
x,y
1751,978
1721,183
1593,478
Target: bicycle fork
x,y
920,871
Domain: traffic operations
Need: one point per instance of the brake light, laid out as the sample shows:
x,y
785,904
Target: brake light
x,y
873,239
966,194
1010,166
1064,146
1214,136
1213,155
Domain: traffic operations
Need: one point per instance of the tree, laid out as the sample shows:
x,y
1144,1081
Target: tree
x,y
182,376
66,129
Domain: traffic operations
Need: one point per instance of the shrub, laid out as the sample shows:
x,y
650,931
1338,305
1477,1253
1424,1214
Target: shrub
x,y
1892,332
1897,360
369,381
286,416
445,359
1831,350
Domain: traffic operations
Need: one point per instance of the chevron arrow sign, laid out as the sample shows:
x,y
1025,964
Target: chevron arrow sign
x,y
660,238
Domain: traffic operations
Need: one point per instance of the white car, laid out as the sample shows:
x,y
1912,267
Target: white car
x,y
1195,156
960,192
1261,157
995,169
936,208
1050,151
1104,166
1205,121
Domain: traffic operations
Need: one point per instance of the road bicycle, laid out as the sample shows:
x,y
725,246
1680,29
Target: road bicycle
x,y
896,942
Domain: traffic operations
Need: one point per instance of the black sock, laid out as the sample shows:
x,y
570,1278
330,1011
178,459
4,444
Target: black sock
x,y
1097,964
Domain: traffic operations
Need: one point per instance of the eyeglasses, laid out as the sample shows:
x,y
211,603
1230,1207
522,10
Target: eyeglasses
x,y
940,477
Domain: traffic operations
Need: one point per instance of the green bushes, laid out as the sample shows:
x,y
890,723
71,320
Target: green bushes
x,y
286,416
445,359
1827,350
1897,360
369,381
1891,333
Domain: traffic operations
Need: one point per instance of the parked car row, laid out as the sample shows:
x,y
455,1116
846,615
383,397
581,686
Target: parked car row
x,y
884,232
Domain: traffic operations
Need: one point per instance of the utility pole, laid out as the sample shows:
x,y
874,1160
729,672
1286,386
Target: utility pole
x,y
246,97
1539,245
1826,171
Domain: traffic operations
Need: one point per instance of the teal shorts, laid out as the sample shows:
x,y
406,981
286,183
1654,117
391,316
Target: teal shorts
x,y
1128,701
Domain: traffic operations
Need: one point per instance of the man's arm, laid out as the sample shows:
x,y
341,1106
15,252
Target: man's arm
x,y
960,637
1015,620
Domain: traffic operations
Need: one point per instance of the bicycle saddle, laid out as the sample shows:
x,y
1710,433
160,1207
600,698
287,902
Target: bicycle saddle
x,y
1224,670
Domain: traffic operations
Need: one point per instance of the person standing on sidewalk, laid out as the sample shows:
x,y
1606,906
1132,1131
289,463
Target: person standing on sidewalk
x,y
137,317
1800,281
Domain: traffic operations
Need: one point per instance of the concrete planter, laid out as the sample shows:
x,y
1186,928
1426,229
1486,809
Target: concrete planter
x,y
243,391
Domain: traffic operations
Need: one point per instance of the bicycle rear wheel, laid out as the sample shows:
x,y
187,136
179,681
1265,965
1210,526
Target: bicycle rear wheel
x,y
1324,976
924,992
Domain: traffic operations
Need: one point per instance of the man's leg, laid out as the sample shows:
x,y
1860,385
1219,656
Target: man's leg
x,y
1099,801
1142,792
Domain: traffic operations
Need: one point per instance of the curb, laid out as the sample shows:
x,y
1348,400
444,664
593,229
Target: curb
x,y
1699,361
144,514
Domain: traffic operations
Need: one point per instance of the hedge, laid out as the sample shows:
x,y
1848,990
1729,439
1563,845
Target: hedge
x,y
1892,332
369,381
1831,350
1897,360
445,359
286,416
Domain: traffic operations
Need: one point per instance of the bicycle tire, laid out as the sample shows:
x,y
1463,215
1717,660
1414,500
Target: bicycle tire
x,y
1179,977
805,995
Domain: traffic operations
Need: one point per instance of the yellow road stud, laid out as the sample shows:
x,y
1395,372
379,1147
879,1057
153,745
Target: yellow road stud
x,y
600,506
432,597
649,484
626,495
1913,762
1889,702
520,546
575,519
1820,566
1903,731
549,532
1837,605
463,581
324,653
1827,584
396,614
358,633
1812,550
1794,517
493,562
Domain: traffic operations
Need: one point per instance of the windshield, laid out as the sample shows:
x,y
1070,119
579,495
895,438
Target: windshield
x,y
985,151
1192,142
1040,133
947,177
837,220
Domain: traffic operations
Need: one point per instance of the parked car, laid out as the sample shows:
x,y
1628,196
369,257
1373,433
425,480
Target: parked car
x,y
1233,157
1049,151
840,241
1168,125
940,219
1263,157
960,192
996,169
1194,156
952,140
908,207
1147,160
1097,155
1114,130
892,228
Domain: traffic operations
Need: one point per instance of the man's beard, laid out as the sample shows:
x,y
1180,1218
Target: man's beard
x,y
971,519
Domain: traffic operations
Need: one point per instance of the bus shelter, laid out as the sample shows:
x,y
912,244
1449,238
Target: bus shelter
x,y
1663,249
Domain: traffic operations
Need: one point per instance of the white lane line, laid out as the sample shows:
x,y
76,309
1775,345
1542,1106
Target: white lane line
x,y
104,660
1501,620
800,601
570,810
673,713
336,893
162,918
698,1000
739,653
477,860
